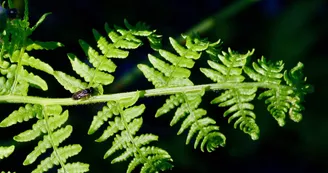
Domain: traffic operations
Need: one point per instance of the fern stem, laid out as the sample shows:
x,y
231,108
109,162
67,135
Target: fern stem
x,y
146,93
55,148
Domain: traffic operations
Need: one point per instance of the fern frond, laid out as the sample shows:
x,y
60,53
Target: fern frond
x,y
6,151
281,99
64,153
270,72
18,80
110,110
13,58
50,120
102,66
125,123
236,99
240,108
177,75
208,132
295,78
266,71
41,127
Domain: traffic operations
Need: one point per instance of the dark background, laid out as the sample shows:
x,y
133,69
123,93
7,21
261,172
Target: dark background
x,y
291,31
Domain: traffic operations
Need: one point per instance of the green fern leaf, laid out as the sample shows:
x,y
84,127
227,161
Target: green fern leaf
x,y
240,109
22,114
231,68
39,45
99,61
278,103
77,167
8,87
40,127
51,118
170,103
281,99
42,18
154,76
63,152
15,80
127,121
141,29
208,132
118,124
270,72
32,79
121,140
191,52
180,61
237,99
144,139
296,79
103,116
173,76
176,75
111,50
265,71
69,82
90,74
18,79
58,137
35,63
6,151
168,69
155,41
156,161
110,110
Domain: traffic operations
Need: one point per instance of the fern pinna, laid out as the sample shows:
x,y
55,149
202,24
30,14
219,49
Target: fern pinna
x,y
282,99
125,120
50,120
283,91
176,75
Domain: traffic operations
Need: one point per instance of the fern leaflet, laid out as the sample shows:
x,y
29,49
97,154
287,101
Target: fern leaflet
x,y
15,79
281,99
176,75
102,65
126,120
50,120
237,98
6,151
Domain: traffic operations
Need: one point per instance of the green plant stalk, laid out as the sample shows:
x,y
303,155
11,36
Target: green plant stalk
x,y
144,93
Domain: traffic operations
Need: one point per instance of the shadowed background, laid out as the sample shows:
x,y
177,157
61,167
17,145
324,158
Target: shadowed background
x,y
291,31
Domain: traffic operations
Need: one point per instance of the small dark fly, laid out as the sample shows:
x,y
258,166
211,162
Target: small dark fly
x,y
85,93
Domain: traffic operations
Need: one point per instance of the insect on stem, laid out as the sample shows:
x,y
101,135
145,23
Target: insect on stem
x,y
85,93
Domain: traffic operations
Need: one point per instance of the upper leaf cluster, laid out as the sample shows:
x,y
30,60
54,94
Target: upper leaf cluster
x,y
177,74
